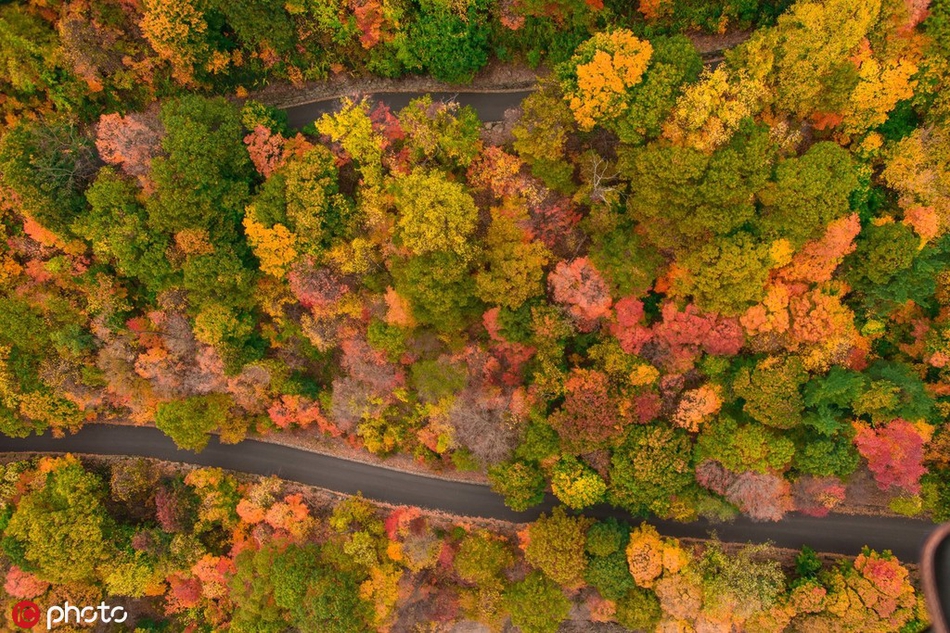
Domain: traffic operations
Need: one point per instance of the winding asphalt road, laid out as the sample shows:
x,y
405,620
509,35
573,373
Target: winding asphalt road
x,y
841,534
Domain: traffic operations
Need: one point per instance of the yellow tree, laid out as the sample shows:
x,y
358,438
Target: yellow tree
x,y
514,264
435,214
275,247
918,168
177,30
709,111
603,68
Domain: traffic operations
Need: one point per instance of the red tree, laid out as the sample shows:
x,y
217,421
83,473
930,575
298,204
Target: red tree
x,y
589,416
129,142
266,150
23,584
895,454
579,285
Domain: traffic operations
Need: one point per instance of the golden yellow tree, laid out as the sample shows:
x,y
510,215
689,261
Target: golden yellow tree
x,y
275,247
603,68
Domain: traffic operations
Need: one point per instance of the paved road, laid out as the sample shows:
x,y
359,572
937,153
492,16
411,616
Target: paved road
x,y
489,106
836,533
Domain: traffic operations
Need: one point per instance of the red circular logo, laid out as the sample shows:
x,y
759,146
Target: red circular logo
x,y
26,614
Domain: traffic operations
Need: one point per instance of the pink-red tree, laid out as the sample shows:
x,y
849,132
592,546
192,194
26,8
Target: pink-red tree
x,y
582,288
895,453
130,142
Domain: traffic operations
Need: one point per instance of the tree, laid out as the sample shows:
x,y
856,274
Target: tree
x,y
62,525
710,111
435,214
808,193
894,453
762,496
47,166
675,64
450,46
481,559
541,134
772,391
579,285
203,180
129,142
685,196
639,610
650,556
575,484
596,80
809,68
513,263
189,422
537,604
442,132
178,32
649,468
727,275
874,594
918,169
590,416
521,483
610,575
741,584
744,447
439,288
555,545
117,227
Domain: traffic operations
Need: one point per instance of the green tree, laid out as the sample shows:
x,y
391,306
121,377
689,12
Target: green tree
x,y
537,604
252,592
826,456
317,596
674,64
651,466
439,288
481,559
742,583
808,193
728,275
203,181
449,46
63,527
541,135
116,227
441,132
575,484
513,264
741,447
47,166
639,610
883,251
606,537
190,421
684,196
772,391
610,575
521,483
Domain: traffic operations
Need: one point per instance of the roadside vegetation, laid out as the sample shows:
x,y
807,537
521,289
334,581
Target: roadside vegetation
x,y
200,550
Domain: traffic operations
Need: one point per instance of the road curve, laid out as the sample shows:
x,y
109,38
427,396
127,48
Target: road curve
x,y
841,534
490,106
